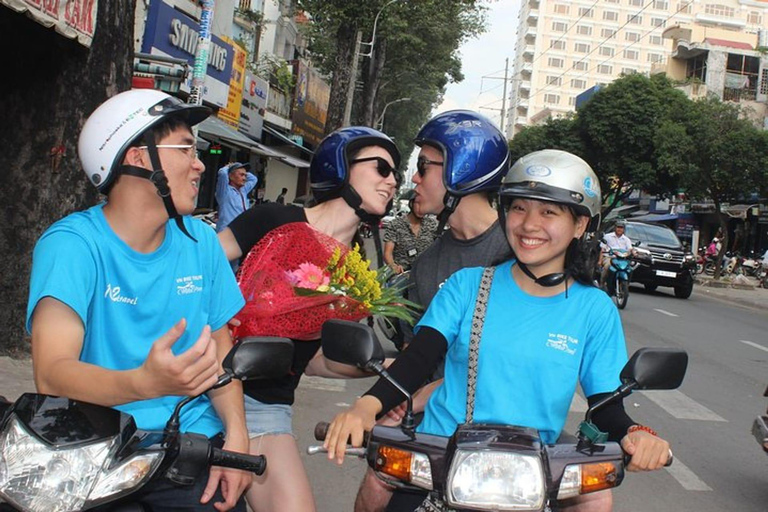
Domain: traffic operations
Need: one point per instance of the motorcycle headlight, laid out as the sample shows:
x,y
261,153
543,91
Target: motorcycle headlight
x,y
491,480
37,477
688,258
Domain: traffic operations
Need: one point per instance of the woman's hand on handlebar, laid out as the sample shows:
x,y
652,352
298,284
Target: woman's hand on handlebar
x,y
649,452
351,425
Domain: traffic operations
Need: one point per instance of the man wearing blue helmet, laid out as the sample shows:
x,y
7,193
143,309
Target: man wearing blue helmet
x,y
353,178
462,159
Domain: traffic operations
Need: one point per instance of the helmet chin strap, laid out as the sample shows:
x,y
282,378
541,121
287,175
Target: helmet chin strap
x,y
451,202
353,199
158,178
548,280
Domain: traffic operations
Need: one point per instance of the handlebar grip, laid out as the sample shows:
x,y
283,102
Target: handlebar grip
x,y
670,459
321,430
254,463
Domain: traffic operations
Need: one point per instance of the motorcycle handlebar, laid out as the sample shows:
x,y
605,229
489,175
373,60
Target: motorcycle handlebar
x,y
255,463
321,430
670,459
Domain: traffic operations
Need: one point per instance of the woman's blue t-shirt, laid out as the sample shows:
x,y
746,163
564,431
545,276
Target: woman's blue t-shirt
x,y
533,353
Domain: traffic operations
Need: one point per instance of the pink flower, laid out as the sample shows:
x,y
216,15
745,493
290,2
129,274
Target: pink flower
x,y
308,276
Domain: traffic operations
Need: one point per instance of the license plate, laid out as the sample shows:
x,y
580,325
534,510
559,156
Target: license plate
x,y
665,273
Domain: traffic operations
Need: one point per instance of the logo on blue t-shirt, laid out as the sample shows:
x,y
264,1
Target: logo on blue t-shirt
x,y
189,284
563,343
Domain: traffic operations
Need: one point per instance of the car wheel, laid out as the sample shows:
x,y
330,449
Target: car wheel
x,y
683,292
650,287
622,294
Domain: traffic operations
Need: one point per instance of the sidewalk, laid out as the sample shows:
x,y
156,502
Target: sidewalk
x,y
750,296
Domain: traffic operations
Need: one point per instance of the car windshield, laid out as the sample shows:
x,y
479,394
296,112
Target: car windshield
x,y
653,235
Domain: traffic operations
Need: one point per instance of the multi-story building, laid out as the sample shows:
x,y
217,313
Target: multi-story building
x,y
567,46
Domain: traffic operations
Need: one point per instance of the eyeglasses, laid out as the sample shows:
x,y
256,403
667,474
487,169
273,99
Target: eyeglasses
x,y
189,149
382,166
422,163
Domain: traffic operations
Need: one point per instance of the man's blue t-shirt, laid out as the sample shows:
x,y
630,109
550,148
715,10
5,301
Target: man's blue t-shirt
x,y
533,352
232,201
127,300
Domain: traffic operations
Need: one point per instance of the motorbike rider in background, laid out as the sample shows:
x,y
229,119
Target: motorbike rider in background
x,y
129,300
616,241
546,328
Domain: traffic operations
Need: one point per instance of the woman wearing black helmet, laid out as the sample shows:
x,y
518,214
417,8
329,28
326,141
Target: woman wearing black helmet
x,y
353,178
562,330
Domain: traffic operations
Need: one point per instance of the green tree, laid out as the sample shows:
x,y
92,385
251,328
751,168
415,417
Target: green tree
x,y
561,133
50,87
715,153
618,127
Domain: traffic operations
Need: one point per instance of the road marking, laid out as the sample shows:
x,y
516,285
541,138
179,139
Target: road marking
x,y
753,344
681,407
665,312
686,477
322,383
578,404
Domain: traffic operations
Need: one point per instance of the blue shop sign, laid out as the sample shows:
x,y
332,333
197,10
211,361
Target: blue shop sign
x,y
175,34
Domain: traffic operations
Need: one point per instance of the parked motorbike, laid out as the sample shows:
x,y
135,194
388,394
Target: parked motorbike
x,y
494,467
760,428
751,266
59,454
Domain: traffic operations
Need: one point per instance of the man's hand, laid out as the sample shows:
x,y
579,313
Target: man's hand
x,y
233,482
648,452
189,374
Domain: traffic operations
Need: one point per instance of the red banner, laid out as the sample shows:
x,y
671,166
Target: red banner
x,y
75,19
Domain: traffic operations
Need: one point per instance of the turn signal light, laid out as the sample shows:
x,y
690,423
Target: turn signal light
x,y
596,477
394,462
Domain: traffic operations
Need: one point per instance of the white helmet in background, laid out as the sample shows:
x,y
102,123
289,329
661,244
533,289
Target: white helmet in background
x,y
121,121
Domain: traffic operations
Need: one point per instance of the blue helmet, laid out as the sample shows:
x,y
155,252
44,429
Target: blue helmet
x,y
329,168
475,151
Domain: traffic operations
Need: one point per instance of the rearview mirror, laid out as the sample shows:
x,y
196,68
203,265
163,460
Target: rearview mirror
x,y
351,343
655,368
257,357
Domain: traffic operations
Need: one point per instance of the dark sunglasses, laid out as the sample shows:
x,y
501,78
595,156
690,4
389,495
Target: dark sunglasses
x,y
422,163
382,166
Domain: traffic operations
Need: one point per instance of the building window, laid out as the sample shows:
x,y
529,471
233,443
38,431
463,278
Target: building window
x,y
657,40
631,54
608,33
684,7
661,5
551,99
632,37
610,15
605,69
755,18
561,9
554,80
585,12
581,65
611,1
584,30
606,52
719,10
245,5
557,44
628,71
654,57
764,82
658,22
554,62
578,84
636,3
559,26
634,19
581,48
571,101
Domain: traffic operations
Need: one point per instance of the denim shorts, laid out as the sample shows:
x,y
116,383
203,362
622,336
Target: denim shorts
x,y
264,418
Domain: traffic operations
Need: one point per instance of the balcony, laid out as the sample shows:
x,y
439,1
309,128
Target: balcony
x,y
739,95
526,70
530,35
525,85
533,16
528,51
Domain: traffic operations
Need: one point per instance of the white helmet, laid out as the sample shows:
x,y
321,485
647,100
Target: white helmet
x,y
119,122
558,177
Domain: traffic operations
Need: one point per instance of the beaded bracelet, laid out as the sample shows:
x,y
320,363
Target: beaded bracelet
x,y
634,428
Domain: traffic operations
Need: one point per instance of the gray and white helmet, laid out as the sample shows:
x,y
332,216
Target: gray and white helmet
x,y
558,177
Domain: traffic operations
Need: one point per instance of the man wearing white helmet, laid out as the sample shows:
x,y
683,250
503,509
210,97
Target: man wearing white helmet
x,y
127,311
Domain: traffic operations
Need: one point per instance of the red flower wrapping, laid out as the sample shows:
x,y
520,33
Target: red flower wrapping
x,y
272,306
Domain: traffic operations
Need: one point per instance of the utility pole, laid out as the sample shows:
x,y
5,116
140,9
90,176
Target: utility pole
x,y
504,97
201,55
352,80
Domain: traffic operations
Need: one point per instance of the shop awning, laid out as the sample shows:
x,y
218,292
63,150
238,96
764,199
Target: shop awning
x,y
295,162
285,139
216,129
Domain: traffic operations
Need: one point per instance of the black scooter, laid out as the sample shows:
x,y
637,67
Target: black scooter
x,y
760,428
58,454
494,467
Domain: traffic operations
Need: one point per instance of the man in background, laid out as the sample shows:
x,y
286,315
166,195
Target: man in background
x,y
233,183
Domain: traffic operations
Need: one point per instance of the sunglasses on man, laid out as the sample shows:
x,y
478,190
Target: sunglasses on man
x,y
422,164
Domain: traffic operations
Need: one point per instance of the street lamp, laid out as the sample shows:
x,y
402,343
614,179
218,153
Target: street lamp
x,y
373,36
357,54
380,120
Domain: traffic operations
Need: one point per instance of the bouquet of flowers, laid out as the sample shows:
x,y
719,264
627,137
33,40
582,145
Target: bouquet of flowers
x,y
296,278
